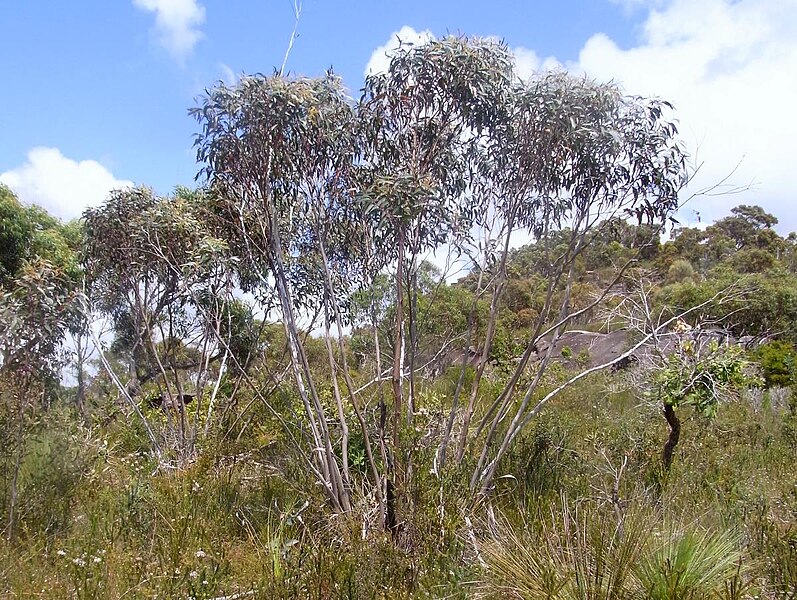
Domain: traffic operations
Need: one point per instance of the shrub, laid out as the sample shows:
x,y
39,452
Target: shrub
x,y
777,360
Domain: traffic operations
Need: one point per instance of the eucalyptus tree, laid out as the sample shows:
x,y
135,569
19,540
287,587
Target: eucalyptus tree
x,y
28,234
424,121
40,302
577,153
15,235
154,267
318,198
277,153
35,314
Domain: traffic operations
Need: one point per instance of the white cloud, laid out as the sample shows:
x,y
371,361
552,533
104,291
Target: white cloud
x,y
63,186
632,5
527,62
228,76
730,68
176,24
380,59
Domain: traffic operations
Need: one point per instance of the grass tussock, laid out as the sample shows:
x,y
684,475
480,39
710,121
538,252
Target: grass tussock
x,y
584,553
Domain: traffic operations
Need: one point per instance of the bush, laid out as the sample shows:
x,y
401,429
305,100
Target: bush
x,y
778,361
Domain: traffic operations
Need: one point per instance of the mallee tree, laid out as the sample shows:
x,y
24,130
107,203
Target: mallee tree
x,y
318,194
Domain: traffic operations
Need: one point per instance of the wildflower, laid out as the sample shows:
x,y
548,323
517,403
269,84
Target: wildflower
x,y
193,574
79,562
61,553
201,553
97,560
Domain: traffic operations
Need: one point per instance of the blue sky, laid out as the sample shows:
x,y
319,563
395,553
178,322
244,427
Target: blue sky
x,y
97,91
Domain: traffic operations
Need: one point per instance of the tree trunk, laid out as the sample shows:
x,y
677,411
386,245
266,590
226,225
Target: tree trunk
x,y
672,440
17,462
80,397
397,379
349,382
443,448
398,346
492,325
412,322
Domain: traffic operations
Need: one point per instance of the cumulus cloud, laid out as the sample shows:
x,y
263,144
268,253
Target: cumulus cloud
x,y
527,62
631,5
63,186
380,59
729,67
177,24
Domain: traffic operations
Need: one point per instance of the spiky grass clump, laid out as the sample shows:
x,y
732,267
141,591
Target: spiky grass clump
x,y
580,552
585,553
691,565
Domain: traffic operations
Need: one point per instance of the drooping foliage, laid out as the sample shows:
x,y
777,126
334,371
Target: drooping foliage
x,y
318,194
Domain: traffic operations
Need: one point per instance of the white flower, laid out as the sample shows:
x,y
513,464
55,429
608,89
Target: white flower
x,y
79,562
97,560
193,574
200,553
61,553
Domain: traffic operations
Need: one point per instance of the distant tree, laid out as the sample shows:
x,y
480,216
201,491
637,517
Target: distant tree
x,y
30,238
778,360
34,317
29,233
768,309
16,232
680,270
156,270
745,226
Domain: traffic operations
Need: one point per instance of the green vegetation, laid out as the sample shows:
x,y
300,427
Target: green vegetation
x,y
262,389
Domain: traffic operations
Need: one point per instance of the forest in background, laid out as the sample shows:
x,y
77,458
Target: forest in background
x,y
329,370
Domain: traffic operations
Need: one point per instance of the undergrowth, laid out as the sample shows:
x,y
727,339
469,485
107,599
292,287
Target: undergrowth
x,y
582,510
